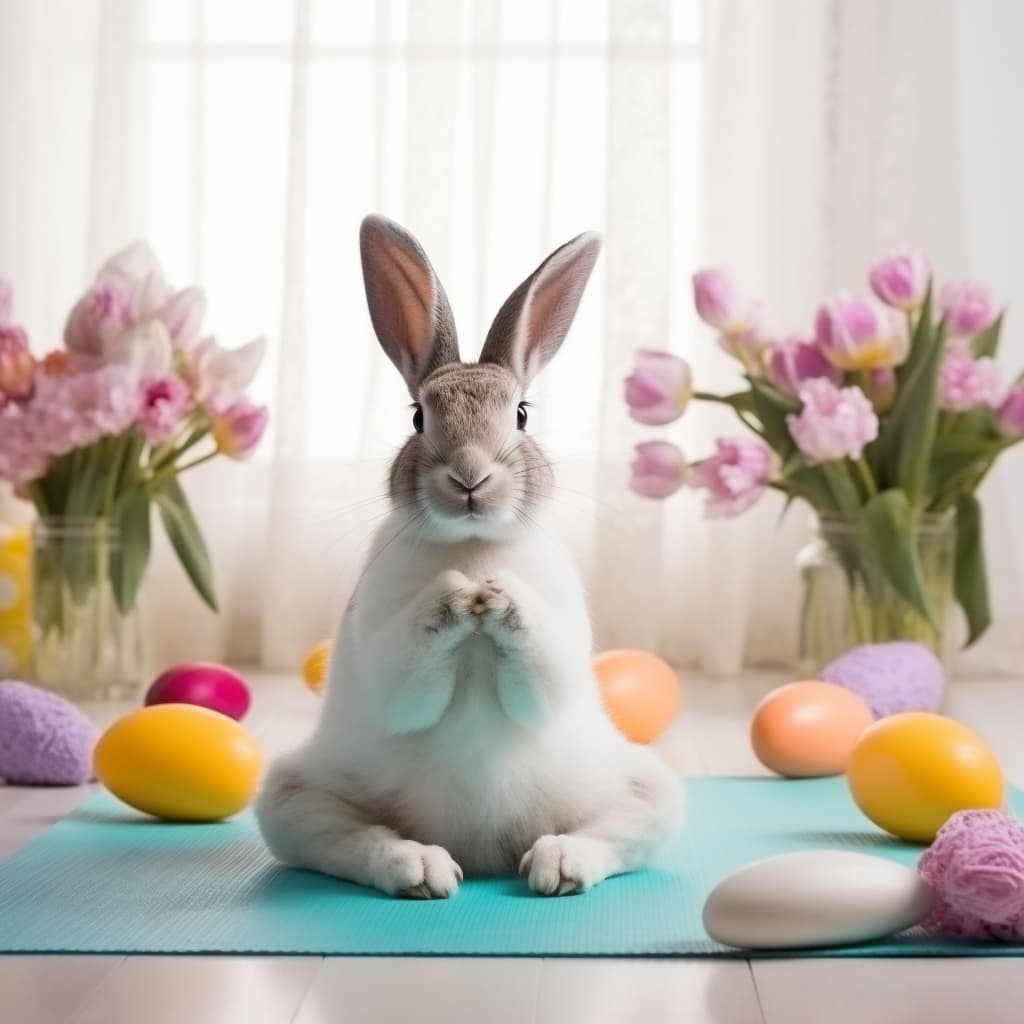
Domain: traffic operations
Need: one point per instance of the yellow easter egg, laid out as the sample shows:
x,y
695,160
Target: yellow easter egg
x,y
15,600
910,772
181,762
314,667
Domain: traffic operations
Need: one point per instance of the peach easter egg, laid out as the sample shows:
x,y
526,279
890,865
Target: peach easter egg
x,y
640,692
808,728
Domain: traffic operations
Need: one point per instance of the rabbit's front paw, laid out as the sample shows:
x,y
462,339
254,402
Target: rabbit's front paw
x,y
419,872
494,609
566,864
452,608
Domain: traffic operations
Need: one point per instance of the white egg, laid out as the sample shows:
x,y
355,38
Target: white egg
x,y
815,898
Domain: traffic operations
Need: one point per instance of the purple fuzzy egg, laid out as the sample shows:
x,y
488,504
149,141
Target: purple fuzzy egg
x,y
44,739
204,683
890,678
975,869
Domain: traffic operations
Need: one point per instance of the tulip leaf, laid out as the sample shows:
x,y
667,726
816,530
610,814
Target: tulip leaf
x,y
920,341
187,541
129,558
908,434
987,343
841,486
889,536
771,407
809,483
741,401
971,578
957,458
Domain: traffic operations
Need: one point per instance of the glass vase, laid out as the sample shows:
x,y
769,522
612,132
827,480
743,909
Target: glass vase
x,y
848,600
85,646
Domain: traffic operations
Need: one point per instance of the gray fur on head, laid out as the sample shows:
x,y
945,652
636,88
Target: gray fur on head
x,y
471,464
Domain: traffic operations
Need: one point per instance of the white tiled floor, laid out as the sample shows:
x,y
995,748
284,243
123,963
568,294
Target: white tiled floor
x,y
710,738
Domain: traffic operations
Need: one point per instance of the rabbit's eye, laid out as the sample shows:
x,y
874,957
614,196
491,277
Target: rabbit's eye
x,y
521,416
417,420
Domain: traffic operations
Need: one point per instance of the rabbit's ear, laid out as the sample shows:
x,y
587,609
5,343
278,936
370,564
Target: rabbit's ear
x,y
535,318
408,306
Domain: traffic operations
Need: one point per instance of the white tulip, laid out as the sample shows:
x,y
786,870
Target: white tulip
x,y
145,349
226,372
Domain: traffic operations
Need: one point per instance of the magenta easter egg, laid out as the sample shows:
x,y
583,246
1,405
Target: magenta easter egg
x,y
205,684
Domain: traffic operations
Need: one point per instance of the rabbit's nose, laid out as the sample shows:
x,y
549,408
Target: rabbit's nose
x,y
467,469
462,484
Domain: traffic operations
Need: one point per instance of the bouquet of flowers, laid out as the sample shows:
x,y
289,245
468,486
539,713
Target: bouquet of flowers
x,y
98,431
891,413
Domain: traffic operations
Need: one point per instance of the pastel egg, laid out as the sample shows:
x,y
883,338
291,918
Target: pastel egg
x,y
640,692
808,728
205,684
911,772
315,665
180,762
814,899
891,677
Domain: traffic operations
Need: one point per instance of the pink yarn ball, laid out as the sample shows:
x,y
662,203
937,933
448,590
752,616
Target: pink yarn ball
x,y
975,869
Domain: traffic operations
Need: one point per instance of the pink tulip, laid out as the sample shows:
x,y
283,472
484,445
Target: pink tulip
x,y
238,428
902,280
718,303
165,402
881,388
182,315
1009,417
860,334
100,316
17,367
658,469
967,307
967,383
659,387
735,476
835,423
793,361
748,346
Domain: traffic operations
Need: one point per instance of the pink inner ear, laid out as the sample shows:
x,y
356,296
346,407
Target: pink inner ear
x,y
552,306
414,299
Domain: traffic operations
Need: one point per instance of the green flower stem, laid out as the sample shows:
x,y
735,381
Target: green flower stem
x,y
199,461
867,478
114,472
157,480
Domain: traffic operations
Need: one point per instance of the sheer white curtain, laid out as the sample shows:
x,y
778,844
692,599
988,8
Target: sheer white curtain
x,y
792,140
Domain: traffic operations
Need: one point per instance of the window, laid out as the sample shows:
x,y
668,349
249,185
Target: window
x,y
269,136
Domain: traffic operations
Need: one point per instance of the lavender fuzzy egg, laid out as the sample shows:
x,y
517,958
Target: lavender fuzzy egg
x,y
205,684
44,739
890,678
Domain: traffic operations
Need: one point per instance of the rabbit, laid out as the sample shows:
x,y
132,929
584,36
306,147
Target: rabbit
x,y
462,731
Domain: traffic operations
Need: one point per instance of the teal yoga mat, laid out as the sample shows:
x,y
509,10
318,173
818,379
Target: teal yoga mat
x,y
107,880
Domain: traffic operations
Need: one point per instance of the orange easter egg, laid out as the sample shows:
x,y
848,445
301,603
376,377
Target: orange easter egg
x,y
640,692
808,728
